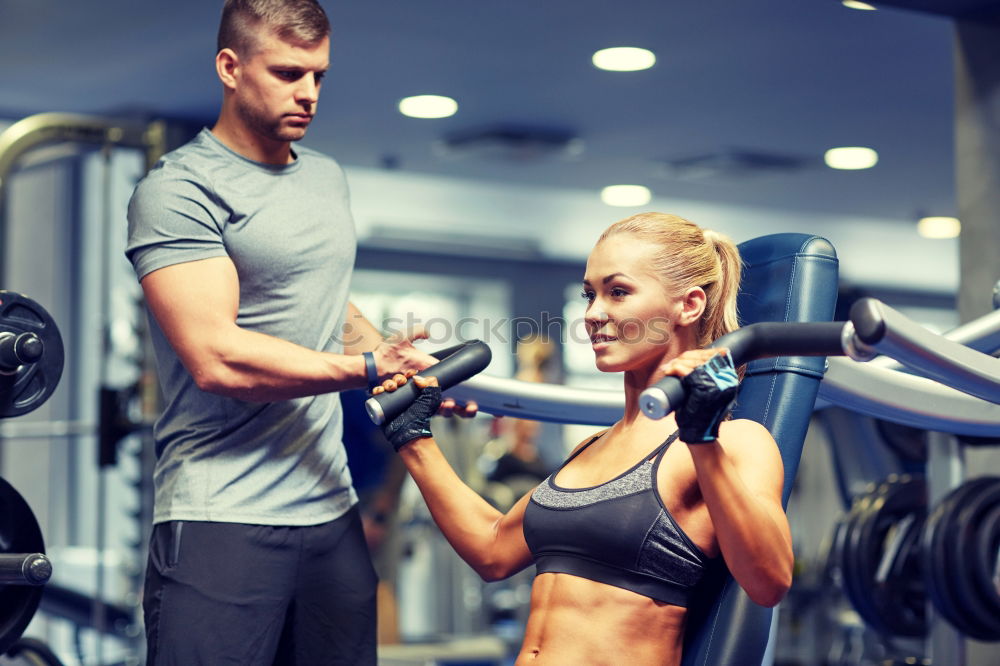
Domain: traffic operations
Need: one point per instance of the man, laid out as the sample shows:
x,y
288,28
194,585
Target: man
x,y
244,247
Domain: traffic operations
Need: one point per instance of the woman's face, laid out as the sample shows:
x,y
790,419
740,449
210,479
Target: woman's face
x,y
630,316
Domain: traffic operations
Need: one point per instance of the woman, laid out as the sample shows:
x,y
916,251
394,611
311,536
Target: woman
x,y
622,532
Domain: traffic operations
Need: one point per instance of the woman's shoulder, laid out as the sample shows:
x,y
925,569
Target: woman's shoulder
x,y
753,450
586,441
743,431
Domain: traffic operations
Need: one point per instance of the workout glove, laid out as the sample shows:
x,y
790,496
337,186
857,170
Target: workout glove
x,y
711,390
416,420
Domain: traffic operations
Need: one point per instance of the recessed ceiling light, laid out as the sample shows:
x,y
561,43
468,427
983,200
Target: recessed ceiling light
x,y
624,59
428,106
626,195
939,227
854,4
851,157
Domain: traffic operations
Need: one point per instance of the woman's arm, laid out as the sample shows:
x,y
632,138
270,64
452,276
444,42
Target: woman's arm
x,y
741,476
491,542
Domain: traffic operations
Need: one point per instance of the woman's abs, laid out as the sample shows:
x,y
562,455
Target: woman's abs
x,y
578,621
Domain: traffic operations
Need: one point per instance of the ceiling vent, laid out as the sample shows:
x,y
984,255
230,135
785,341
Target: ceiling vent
x,y
511,143
734,163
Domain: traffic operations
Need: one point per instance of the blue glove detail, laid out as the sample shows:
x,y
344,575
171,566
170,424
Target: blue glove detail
x,y
415,421
711,390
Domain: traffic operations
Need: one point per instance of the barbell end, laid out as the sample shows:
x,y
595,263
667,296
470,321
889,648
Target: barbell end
x,y
374,410
37,569
28,348
654,403
18,350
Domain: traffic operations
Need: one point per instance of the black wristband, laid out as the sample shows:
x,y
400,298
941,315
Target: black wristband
x,y
371,370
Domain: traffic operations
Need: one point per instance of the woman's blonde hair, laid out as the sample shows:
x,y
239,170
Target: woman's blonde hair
x,y
690,256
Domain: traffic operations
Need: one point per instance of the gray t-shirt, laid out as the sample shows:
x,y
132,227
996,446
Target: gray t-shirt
x,y
289,231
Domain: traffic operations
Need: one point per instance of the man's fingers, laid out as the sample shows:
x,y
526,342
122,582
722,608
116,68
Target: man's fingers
x,y
679,367
686,363
415,332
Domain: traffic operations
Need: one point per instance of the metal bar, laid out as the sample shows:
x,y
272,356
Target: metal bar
x,y
982,335
46,128
542,402
865,388
46,429
958,366
908,399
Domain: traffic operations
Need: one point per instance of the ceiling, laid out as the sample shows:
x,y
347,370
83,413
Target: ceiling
x,y
743,101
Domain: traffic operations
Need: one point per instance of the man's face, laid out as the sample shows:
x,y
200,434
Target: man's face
x,y
278,86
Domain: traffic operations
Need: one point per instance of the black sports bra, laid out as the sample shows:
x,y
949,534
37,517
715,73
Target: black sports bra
x,y
618,533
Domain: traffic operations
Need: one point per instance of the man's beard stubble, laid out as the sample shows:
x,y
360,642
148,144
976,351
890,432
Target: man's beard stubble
x,y
267,127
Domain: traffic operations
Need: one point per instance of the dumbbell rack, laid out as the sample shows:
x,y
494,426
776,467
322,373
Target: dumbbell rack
x,y
31,364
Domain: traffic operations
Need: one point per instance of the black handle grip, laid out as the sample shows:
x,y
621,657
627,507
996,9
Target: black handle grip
x,y
24,569
761,340
458,364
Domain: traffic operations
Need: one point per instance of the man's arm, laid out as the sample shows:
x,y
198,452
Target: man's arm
x,y
196,305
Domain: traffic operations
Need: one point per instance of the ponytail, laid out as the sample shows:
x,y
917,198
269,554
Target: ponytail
x,y
720,308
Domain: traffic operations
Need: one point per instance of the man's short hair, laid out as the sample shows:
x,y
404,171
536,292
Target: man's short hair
x,y
302,21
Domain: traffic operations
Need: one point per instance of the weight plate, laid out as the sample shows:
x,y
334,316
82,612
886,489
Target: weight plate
x,y
978,605
898,600
899,592
938,573
33,383
889,516
987,550
851,579
19,533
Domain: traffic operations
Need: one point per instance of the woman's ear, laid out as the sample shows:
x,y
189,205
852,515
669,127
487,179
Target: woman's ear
x,y
693,303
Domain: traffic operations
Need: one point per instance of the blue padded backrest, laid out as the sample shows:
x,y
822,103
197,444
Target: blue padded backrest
x,y
786,277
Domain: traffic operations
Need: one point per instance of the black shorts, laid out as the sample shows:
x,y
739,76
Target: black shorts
x,y
227,593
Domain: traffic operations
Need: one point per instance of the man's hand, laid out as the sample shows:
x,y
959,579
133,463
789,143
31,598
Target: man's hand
x,y
396,355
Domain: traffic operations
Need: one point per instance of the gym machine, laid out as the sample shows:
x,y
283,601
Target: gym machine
x,y
910,544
